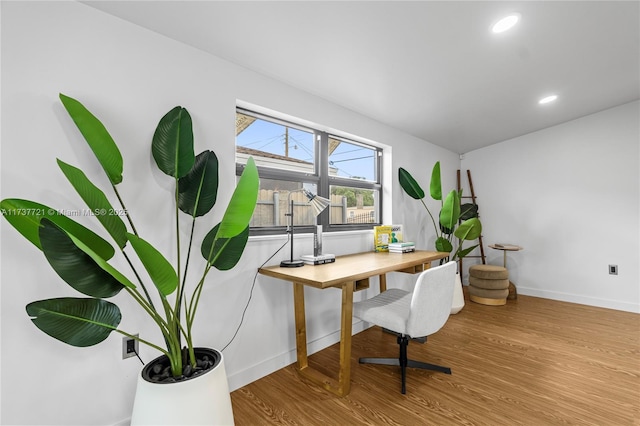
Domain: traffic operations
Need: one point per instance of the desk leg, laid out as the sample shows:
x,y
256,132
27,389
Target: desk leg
x,y
301,325
344,375
383,283
343,385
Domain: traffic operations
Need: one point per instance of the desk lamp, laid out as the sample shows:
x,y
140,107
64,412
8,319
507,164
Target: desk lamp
x,y
318,204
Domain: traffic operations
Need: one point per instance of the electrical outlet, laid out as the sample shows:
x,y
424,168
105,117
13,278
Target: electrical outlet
x,y
129,347
613,269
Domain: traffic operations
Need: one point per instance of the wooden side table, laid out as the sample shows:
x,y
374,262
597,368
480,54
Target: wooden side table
x,y
513,292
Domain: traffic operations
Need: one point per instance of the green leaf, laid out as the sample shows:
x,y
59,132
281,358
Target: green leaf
x,y
160,270
243,201
468,211
74,266
198,190
98,138
435,187
409,184
226,252
102,263
446,231
172,144
450,210
442,244
462,253
25,217
469,229
77,322
97,203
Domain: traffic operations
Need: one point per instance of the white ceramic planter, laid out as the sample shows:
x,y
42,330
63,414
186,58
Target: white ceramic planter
x,y
203,400
458,296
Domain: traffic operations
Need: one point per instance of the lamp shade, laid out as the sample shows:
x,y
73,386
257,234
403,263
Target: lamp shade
x,y
317,203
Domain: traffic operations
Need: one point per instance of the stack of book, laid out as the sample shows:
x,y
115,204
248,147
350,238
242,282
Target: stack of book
x,y
385,234
321,259
405,247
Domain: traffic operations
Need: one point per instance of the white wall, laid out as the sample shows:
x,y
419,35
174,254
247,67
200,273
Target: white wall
x,y
130,77
569,195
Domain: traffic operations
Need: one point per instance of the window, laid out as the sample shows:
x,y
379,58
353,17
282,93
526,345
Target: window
x,y
292,157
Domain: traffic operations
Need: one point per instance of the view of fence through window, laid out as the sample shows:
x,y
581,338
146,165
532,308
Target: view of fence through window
x,y
290,159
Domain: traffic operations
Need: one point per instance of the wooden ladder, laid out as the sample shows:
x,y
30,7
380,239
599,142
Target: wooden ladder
x,y
473,200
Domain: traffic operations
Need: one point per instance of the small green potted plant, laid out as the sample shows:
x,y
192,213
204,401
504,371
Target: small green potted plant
x,y
82,259
451,212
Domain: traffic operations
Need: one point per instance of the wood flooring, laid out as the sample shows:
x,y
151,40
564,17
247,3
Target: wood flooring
x,y
531,362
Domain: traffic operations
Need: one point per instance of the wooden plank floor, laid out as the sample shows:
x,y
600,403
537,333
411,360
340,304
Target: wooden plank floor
x,y
532,362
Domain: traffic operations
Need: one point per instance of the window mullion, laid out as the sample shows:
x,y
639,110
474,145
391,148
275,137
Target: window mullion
x,y
323,171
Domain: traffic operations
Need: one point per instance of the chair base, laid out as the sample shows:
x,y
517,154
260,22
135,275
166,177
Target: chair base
x,y
403,362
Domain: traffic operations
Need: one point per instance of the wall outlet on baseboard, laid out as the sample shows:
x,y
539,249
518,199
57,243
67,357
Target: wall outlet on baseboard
x,y
613,269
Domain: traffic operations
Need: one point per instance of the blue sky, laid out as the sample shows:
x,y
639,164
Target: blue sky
x,y
350,160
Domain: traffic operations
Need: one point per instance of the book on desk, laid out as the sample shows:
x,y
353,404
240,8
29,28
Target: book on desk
x,y
384,235
402,247
320,259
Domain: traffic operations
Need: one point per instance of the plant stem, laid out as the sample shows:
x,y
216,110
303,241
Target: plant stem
x,y
180,289
126,212
170,333
135,232
432,220
135,272
195,297
193,303
162,323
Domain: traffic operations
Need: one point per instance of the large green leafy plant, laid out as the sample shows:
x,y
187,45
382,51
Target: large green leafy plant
x,y
82,258
451,213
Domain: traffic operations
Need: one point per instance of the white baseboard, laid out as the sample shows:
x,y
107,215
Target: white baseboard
x,y
268,366
583,300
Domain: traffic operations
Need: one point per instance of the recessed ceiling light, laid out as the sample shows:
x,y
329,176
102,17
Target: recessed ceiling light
x,y
548,99
505,23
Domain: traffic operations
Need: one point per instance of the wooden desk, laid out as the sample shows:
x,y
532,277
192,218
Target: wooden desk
x,y
350,273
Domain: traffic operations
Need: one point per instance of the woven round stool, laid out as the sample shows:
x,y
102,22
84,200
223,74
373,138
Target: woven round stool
x,y
488,284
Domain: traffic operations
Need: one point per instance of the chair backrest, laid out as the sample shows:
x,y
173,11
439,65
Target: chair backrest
x,y
431,300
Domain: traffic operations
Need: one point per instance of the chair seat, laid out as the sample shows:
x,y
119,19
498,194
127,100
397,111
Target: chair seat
x,y
389,309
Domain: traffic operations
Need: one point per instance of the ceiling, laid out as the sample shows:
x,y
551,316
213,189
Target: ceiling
x,y
431,69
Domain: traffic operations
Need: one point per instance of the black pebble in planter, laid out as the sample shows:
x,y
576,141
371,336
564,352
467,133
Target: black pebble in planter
x,y
159,370
199,397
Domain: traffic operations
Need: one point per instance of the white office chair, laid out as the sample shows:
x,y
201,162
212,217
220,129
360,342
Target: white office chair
x,y
411,315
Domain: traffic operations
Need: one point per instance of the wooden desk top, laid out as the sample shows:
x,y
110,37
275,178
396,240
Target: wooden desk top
x,y
352,267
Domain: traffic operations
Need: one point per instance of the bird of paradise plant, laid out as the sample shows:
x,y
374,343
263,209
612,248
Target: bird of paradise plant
x,y
82,258
450,213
